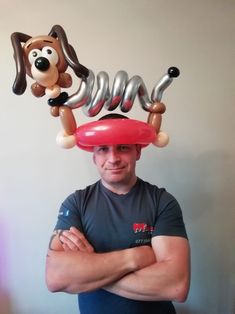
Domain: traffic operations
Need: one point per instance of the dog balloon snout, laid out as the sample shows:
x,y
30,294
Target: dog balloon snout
x,y
42,64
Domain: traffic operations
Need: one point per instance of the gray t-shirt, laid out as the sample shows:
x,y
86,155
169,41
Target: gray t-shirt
x,y
113,222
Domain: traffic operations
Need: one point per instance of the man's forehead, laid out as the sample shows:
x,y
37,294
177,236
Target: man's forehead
x,y
116,146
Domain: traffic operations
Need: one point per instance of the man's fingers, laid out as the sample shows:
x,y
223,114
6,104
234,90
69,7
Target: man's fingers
x,y
74,242
76,231
67,244
81,238
66,247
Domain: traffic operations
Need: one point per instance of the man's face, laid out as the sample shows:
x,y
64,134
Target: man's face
x,y
116,163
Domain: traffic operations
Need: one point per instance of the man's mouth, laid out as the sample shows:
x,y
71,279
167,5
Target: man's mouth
x,y
115,169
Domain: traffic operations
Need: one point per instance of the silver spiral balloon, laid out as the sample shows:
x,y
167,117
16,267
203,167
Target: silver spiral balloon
x,y
123,92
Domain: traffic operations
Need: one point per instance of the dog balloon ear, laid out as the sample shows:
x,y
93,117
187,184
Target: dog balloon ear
x,y
69,53
20,83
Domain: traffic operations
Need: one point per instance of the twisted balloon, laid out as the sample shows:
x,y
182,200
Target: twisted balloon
x,y
123,92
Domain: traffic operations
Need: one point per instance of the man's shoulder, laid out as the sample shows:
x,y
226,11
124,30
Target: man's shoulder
x,y
90,187
150,186
161,193
83,192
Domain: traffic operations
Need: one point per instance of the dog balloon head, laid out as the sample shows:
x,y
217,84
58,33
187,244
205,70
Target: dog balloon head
x,y
43,58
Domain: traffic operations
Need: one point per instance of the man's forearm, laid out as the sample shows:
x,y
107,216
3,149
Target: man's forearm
x,y
156,282
167,279
75,272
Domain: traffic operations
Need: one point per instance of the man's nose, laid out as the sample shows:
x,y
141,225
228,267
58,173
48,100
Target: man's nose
x,y
114,156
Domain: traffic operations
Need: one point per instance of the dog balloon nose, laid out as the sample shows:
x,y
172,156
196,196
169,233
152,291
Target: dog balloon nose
x,y
173,72
42,64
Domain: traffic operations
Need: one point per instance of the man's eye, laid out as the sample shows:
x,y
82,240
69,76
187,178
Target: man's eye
x,y
124,148
102,149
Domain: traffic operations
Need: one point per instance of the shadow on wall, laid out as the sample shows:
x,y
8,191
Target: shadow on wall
x,y
5,303
203,182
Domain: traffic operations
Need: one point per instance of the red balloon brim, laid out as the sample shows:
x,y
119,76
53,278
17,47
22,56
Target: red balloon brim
x,y
113,132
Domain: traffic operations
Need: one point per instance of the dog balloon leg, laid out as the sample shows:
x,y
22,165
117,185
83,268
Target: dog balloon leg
x,y
158,108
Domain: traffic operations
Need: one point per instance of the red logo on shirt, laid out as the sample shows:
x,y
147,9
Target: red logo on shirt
x,y
142,227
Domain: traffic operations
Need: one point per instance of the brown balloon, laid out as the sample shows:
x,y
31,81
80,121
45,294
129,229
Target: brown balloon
x,y
155,119
158,107
155,116
55,111
68,120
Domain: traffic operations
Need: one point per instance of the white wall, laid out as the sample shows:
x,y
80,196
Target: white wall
x,y
143,37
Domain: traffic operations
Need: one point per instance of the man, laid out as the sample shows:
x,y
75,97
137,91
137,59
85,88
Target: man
x,y
120,243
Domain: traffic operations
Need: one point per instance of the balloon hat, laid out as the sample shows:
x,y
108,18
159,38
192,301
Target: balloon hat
x,y
46,58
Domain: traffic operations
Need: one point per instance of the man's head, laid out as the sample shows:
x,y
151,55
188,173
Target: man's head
x,y
116,163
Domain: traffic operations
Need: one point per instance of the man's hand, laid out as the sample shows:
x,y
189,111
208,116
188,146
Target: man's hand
x,y
74,240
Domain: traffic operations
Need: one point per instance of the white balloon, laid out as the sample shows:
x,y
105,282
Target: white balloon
x,y
65,141
162,139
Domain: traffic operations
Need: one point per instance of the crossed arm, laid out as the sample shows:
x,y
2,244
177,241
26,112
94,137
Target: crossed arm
x,y
142,273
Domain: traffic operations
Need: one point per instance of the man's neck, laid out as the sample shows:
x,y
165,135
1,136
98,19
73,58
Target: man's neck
x,y
120,188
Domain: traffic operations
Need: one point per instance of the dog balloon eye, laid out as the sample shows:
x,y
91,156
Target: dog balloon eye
x,y
51,54
33,55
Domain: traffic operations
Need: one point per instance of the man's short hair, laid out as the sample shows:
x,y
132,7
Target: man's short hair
x,y
113,116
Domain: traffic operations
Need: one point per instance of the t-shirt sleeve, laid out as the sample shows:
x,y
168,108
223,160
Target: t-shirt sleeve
x,y
69,214
169,218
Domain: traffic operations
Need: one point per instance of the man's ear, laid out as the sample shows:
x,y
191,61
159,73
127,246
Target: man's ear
x,y
138,150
